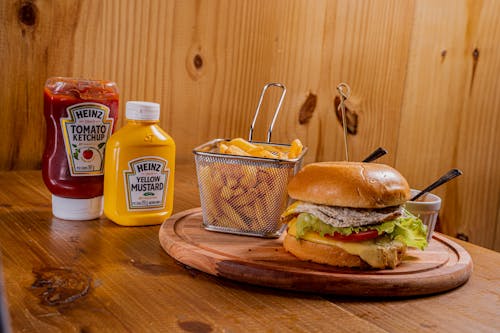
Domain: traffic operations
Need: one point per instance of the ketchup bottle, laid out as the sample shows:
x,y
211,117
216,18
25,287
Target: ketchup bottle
x,y
80,117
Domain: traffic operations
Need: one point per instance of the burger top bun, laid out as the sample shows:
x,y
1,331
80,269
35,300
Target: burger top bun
x,y
350,184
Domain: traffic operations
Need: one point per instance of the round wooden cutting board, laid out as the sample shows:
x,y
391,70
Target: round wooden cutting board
x,y
443,265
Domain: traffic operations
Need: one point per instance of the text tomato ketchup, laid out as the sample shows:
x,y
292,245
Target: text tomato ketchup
x,y
80,116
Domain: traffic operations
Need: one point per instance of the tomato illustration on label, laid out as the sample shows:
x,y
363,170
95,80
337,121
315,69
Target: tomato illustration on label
x,y
87,154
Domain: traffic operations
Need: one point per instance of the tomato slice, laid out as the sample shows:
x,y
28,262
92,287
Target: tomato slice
x,y
355,236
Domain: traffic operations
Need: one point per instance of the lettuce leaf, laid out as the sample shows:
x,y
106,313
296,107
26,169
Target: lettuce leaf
x,y
411,231
407,229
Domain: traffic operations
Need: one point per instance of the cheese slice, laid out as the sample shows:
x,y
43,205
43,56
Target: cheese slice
x,y
376,253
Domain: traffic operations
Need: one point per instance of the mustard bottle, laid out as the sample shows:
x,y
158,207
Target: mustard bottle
x,y
139,169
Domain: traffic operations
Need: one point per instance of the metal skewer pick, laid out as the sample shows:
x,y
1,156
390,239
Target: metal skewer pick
x,y
344,91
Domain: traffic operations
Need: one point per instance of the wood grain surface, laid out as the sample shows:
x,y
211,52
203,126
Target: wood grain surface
x,y
422,73
444,265
136,287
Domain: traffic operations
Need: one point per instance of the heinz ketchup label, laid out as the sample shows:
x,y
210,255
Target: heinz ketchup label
x,y
86,131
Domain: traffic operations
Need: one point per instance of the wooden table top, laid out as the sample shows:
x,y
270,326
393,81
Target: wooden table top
x,y
129,283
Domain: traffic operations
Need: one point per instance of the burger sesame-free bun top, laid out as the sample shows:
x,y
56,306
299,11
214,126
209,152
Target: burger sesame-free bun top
x,y
350,184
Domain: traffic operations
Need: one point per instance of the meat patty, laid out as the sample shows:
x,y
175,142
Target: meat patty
x,y
349,217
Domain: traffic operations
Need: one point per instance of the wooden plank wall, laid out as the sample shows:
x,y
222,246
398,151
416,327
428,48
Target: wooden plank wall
x,y
423,73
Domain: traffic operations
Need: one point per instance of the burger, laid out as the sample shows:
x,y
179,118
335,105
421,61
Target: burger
x,y
351,214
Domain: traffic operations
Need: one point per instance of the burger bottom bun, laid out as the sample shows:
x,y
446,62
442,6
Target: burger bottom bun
x,y
320,253
330,254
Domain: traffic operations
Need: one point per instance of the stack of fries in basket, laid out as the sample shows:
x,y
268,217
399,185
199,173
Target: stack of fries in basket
x,y
243,196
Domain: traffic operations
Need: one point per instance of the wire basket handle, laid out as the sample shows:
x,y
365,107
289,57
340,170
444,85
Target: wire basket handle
x,y
270,130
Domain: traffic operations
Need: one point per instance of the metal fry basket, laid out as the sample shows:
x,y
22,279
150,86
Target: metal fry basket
x,y
245,195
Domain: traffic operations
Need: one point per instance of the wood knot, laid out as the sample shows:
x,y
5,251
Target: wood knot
x,y
27,13
350,116
475,54
56,286
475,61
443,55
307,109
198,61
195,63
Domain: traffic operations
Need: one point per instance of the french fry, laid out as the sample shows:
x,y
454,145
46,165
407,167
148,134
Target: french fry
x,y
242,144
216,178
249,179
226,192
260,216
264,177
231,181
247,212
223,148
295,149
233,218
211,207
233,171
283,156
261,152
242,147
244,199
235,150
209,193
277,149
278,152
